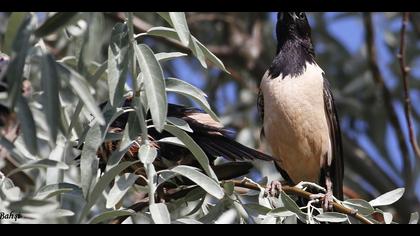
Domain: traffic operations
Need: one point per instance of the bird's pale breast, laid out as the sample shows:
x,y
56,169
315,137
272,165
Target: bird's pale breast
x,y
295,123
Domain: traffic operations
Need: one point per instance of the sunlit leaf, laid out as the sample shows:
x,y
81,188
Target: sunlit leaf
x,y
122,184
160,213
154,83
388,198
208,184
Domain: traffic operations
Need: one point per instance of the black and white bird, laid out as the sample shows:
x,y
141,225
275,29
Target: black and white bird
x,y
300,122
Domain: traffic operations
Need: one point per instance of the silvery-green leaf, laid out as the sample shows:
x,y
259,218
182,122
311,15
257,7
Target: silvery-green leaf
x,y
180,123
195,149
291,205
14,22
81,88
20,47
363,207
61,213
208,184
388,198
117,63
147,154
88,160
44,163
55,189
179,22
165,56
172,140
54,23
256,209
165,16
211,57
154,83
11,193
281,212
109,215
183,88
171,33
163,32
50,86
387,217
198,52
333,217
187,221
122,184
101,185
414,218
160,213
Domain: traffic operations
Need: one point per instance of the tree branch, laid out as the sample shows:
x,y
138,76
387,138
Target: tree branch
x,y
386,95
404,73
307,195
139,206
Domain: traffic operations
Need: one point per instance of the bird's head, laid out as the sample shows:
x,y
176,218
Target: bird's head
x,y
293,25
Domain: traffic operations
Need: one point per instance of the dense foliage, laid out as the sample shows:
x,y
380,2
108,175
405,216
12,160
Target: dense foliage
x,y
62,67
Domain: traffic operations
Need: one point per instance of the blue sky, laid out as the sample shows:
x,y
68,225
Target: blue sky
x,y
349,31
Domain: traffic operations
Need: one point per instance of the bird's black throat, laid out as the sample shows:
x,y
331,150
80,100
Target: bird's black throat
x,y
294,47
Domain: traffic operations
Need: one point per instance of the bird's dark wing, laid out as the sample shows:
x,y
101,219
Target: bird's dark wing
x,y
260,106
209,134
215,140
336,167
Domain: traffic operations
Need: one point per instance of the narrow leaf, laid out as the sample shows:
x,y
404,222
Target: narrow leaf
x,y
13,24
54,23
160,213
117,63
179,22
154,83
88,160
102,184
183,88
52,190
165,56
44,163
206,183
27,125
388,198
332,217
81,88
180,123
414,218
195,149
50,85
122,184
109,215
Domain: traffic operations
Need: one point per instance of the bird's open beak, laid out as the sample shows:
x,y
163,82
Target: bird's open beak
x,y
293,16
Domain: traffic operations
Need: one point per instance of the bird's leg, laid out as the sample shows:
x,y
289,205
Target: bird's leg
x,y
274,188
328,199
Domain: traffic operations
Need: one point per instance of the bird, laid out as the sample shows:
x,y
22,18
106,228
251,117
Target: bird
x,y
210,135
298,112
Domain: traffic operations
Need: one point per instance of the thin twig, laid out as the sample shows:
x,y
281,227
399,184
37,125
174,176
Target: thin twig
x,y
404,74
387,97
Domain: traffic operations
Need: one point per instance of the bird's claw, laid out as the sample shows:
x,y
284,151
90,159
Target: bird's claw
x,y
328,202
273,189
325,198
